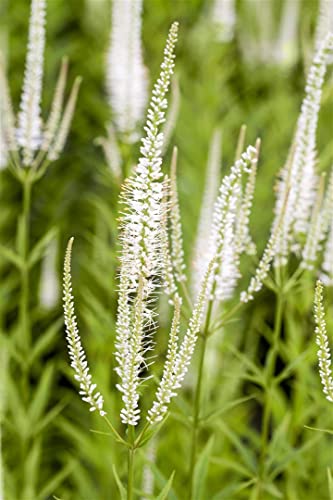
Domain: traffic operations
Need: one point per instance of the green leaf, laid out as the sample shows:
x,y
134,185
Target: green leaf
x,y
55,481
121,488
40,247
41,396
330,483
44,342
31,467
201,470
225,408
164,493
11,256
159,477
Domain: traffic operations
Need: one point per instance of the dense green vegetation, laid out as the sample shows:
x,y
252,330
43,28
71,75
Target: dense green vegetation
x,y
49,446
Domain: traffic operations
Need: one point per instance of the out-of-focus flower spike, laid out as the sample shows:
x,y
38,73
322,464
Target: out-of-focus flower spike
x,y
202,253
172,115
303,168
285,52
177,251
243,239
324,22
126,74
324,354
315,232
52,123
29,131
76,352
49,283
60,139
111,152
168,279
223,15
7,116
166,388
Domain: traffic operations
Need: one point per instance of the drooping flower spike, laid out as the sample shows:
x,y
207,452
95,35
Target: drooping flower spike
x,y
88,391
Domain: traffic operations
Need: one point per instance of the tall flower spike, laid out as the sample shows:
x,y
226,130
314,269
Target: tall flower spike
x,y
212,181
126,73
29,132
141,257
324,355
303,165
299,177
177,251
143,192
76,352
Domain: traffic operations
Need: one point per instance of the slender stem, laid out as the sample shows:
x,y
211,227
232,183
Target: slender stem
x,y
24,253
270,369
130,476
197,399
130,462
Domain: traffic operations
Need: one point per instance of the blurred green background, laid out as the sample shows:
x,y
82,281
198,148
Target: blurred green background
x,y
219,87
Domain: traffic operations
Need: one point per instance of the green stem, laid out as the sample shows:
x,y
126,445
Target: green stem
x,y
197,400
270,369
130,463
130,476
24,252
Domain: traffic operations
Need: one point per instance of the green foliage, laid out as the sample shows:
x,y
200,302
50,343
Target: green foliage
x,y
262,406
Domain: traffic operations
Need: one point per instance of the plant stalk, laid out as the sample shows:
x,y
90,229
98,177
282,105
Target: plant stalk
x,y
197,399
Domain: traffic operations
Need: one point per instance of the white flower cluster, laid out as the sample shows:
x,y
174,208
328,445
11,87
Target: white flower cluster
x,y
32,136
324,355
126,74
223,15
298,182
179,358
76,352
142,241
212,181
223,240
